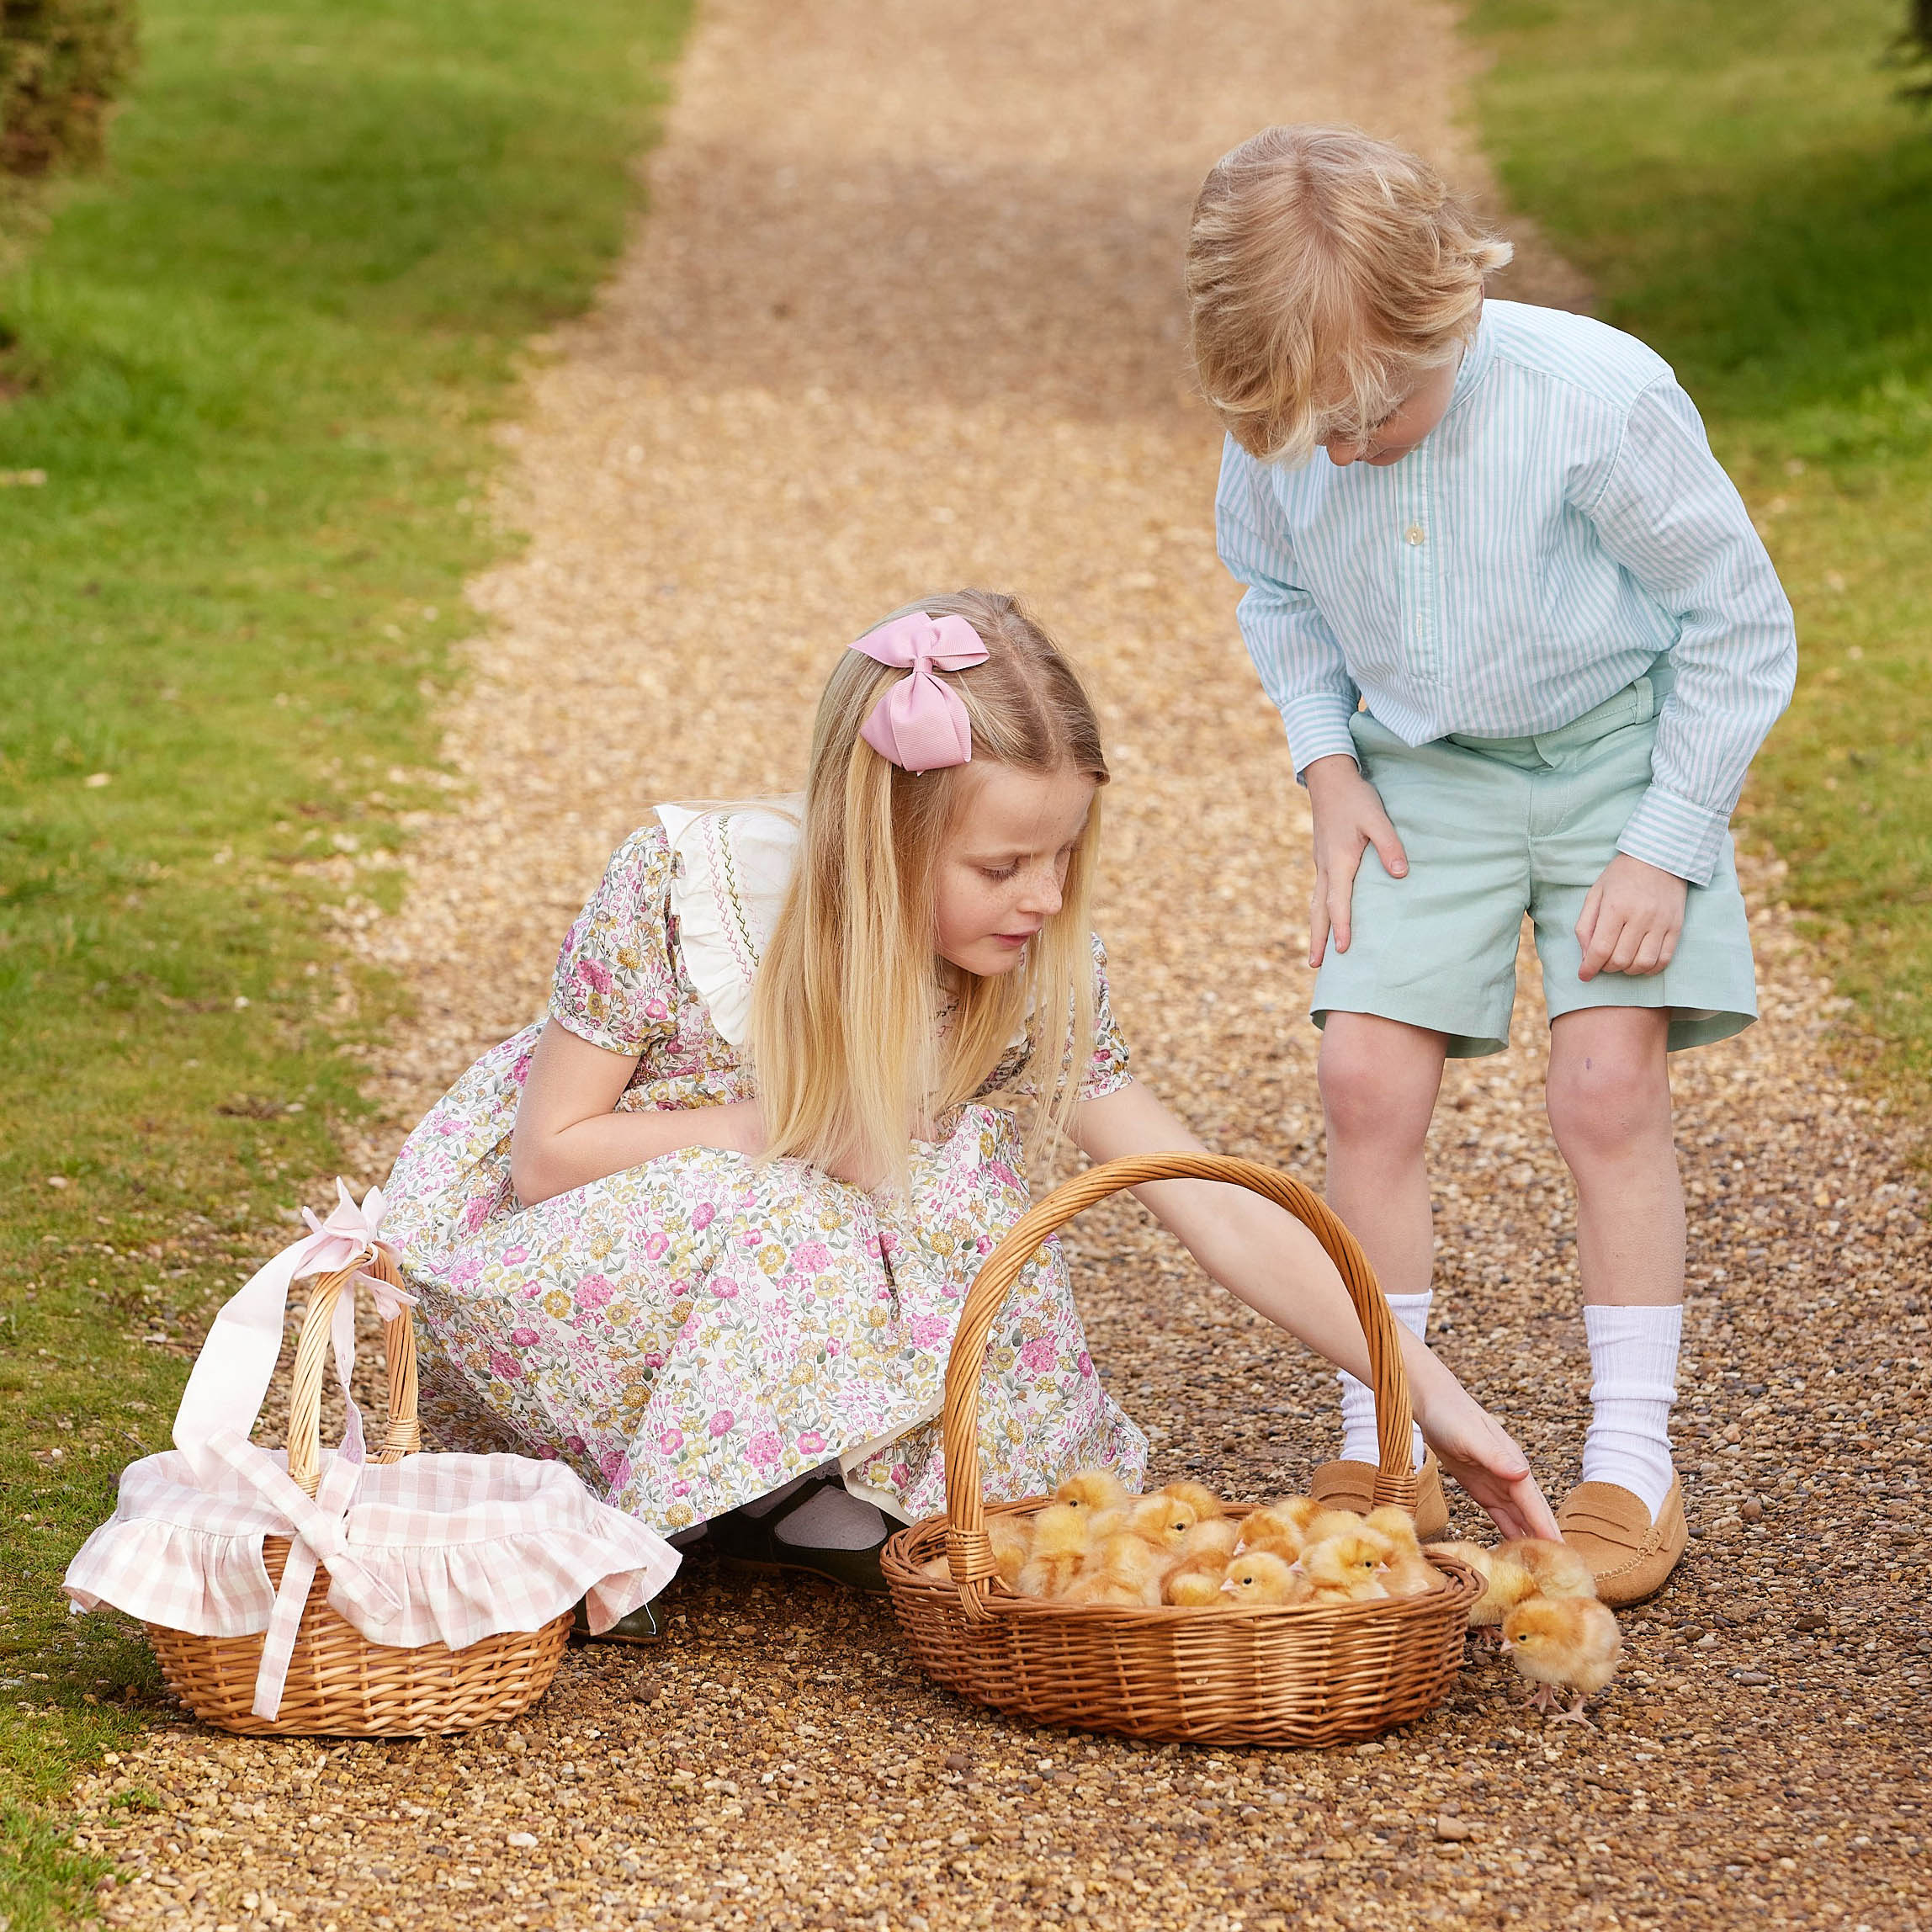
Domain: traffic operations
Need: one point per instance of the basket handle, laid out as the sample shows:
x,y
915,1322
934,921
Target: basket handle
x,y
404,1435
230,1377
968,1551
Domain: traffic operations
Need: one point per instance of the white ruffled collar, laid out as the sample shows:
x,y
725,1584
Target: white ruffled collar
x,y
734,868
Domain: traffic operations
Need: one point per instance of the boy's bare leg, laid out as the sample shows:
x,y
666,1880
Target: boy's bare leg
x,y
1609,1095
1379,1080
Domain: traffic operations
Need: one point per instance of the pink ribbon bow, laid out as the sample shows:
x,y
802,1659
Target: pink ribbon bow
x,y
349,1234
920,724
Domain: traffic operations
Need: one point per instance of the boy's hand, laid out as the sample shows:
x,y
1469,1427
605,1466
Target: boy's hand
x,y
1631,920
1349,818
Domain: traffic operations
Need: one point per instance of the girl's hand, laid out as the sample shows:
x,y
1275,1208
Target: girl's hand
x,y
1349,818
1474,1448
1631,920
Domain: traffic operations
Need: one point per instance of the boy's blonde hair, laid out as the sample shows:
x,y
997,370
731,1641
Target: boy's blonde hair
x,y
1325,272
850,1058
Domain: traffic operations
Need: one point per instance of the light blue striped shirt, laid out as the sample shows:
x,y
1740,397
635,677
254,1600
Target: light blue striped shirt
x,y
1562,524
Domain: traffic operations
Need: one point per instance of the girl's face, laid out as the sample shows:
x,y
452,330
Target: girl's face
x,y
1004,862
1405,426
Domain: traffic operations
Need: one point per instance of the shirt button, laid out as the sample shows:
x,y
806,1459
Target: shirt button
x,y
1416,534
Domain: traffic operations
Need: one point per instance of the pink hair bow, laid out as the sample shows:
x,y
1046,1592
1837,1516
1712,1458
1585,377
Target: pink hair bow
x,y
921,725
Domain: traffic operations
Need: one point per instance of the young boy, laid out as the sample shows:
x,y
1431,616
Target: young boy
x,y
1526,643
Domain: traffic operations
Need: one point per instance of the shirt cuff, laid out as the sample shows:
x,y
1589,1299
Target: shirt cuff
x,y
1318,728
1668,829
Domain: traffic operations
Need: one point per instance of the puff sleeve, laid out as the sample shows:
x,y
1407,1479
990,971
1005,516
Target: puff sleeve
x,y
614,984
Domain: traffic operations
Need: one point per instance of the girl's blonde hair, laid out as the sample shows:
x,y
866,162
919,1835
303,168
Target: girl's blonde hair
x,y
1325,272
850,1056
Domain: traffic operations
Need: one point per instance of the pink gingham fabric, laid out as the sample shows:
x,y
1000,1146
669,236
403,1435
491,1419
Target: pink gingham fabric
x,y
446,1549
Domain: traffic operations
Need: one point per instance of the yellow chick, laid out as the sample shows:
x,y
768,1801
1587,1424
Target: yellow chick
x,y
1206,1503
1201,1562
1062,1537
1256,1578
1571,1640
1161,1522
1125,1569
1555,1569
1098,1491
1213,1535
1313,1520
1409,1573
1012,1541
1271,1531
1348,1567
1505,1583
1195,1581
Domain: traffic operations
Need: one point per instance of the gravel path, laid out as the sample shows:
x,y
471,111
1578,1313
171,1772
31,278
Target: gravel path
x,y
905,314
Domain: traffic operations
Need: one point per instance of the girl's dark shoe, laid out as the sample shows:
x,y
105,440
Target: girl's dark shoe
x,y
752,1545
641,1626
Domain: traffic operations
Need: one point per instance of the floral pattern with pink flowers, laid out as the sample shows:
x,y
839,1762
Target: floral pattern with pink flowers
x,y
693,1332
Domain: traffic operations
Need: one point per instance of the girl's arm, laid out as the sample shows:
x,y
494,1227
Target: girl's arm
x,y
1264,1256
569,1133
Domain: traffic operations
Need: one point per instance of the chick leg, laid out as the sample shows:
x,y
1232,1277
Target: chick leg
x,y
1542,1697
1573,1715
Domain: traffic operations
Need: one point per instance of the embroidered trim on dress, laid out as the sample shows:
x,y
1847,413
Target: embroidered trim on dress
x,y
713,829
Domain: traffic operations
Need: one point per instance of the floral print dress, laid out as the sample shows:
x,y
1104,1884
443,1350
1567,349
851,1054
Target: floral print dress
x,y
694,1332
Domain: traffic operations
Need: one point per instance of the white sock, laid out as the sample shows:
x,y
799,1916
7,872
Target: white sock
x,y
832,1520
1358,1443
1633,1364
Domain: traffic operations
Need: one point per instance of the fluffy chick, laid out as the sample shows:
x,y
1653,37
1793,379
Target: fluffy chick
x,y
1213,1535
1012,1541
1409,1572
1274,1531
1315,1521
1196,1574
1348,1567
1195,1581
1206,1503
1505,1583
1124,1568
1256,1578
1555,1569
1098,1491
1571,1640
1162,1522
1063,1535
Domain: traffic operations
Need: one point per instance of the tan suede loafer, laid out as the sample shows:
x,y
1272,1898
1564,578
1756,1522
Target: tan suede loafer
x,y
1630,1556
1351,1486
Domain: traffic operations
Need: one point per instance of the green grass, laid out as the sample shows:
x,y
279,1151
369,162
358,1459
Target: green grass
x,y
1753,200
257,360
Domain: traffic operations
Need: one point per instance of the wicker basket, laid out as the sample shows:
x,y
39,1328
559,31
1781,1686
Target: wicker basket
x,y
1310,1674
339,1684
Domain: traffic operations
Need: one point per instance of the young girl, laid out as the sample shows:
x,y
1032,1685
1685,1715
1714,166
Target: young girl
x,y
706,1231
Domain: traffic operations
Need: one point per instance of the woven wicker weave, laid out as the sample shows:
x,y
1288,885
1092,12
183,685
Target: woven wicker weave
x,y
1311,1674
339,1684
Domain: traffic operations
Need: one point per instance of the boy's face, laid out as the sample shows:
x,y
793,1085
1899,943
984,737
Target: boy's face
x,y
1404,426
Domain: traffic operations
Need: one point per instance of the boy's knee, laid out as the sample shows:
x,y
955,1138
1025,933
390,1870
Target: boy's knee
x,y
1367,1099
1603,1108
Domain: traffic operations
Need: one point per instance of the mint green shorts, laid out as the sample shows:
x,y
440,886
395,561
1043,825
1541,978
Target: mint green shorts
x,y
1497,827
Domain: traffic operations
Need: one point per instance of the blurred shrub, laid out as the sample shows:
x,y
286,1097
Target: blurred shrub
x,y
1914,49
61,64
